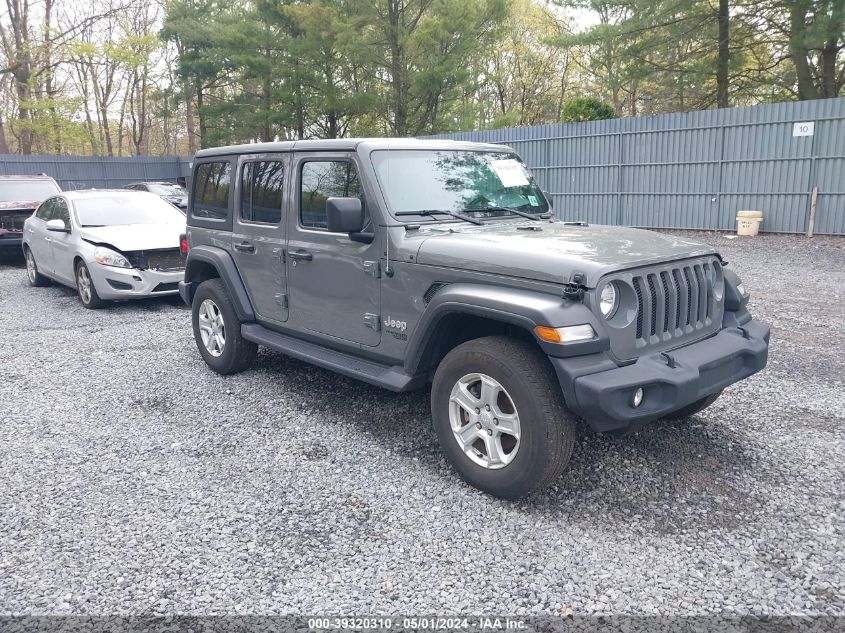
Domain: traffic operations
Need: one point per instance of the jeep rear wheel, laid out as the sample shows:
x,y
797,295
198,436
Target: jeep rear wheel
x,y
499,414
217,330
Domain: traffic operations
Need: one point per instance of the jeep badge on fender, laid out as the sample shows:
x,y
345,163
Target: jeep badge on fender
x,y
520,322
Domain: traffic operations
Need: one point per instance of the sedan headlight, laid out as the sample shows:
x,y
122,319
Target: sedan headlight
x,y
609,300
108,257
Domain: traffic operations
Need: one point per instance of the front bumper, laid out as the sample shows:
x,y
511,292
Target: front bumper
x,y
128,283
604,398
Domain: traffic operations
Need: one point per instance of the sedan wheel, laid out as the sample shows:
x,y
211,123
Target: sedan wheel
x,y
32,275
212,327
85,288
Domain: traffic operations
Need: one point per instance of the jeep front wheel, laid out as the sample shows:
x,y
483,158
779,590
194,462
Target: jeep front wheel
x,y
217,330
499,414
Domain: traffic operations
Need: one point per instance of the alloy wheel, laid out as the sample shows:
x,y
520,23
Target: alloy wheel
x,y
31,268
484,421
83,284
212,328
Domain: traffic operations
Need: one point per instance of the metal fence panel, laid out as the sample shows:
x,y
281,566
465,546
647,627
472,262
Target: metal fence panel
x,y
692,170
99,172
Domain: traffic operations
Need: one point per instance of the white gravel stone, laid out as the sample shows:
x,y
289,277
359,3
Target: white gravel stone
x,y
135,480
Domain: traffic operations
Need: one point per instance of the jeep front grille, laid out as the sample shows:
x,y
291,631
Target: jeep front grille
x,y
675,300
664,306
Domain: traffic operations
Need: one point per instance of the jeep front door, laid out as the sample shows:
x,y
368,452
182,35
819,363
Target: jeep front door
x,y
258,233
334,281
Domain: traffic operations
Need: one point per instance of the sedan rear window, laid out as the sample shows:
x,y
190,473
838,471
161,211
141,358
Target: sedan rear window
x,y
118,209
25,190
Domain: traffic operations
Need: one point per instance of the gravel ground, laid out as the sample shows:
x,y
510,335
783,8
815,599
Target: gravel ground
x,y
134,480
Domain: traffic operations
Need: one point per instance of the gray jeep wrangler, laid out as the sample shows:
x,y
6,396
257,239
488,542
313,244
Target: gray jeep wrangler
x,y
403,263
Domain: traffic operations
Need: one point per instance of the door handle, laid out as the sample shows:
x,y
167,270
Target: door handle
x,y
244,247
301,255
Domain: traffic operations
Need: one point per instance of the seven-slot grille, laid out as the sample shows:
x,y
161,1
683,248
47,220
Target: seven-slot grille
x,y
675,300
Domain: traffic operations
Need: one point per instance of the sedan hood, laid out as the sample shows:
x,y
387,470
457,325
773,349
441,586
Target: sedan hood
x,y
554,251
135,237
20,205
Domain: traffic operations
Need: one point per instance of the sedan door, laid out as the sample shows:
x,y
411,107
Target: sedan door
x,y
38,237
63,244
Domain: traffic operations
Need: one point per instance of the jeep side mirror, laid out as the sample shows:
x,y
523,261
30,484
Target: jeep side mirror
x,y
344,215
57,225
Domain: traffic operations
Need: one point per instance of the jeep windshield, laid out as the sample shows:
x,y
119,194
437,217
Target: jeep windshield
x,y
460,184
26,190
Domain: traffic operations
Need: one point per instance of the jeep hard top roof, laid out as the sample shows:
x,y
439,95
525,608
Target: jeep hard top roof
x,y
349,144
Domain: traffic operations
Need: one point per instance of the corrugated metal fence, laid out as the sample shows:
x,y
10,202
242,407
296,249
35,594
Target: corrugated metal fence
x,y
693,170
690,170
86,172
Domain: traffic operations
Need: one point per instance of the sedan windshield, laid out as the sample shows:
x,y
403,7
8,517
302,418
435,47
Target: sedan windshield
x,y
25,190
475,184
167,189
111,209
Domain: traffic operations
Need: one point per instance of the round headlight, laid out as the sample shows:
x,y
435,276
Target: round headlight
x,y
608,300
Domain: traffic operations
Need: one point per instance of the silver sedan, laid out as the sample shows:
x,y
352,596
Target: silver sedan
x,y
106,244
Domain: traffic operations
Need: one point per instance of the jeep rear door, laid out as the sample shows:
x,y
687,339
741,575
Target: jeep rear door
x,y
333,282
258,232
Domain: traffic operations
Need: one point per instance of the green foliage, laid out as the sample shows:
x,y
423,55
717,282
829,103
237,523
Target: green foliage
x,y
586,109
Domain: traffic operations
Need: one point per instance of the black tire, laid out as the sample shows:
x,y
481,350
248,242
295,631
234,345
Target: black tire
x,y
237,354
34,278
547,428
695,407
90,300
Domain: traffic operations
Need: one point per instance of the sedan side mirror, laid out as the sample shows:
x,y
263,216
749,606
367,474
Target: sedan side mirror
x,y
58,226
344,215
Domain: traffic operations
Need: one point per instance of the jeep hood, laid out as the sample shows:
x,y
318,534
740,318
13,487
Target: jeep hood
x,y
135,237
552,252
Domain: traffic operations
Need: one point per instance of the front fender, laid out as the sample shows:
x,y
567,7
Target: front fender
x,y
522,308
201,256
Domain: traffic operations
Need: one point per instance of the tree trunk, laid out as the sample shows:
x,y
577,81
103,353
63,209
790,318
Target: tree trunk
x,y
4,147
203,127
397,71
191,124
799,51
723,63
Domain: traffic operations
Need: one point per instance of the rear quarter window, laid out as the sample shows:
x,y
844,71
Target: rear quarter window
x,y
212,188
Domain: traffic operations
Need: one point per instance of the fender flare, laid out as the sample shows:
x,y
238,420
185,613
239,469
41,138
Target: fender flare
x,y
522,308
223,263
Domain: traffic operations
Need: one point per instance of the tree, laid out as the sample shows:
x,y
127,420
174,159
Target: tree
x,y
586,109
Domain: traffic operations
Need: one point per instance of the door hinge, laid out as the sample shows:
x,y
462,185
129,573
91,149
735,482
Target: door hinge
x,y
372,268
372,321
280,253
282,299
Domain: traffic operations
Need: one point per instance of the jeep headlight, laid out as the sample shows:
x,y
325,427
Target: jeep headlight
x,y
609,300
108,257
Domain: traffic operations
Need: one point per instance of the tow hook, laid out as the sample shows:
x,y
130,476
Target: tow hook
x,y
575,288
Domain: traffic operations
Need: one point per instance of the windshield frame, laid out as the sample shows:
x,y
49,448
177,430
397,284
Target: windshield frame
x,y
153,199
496,212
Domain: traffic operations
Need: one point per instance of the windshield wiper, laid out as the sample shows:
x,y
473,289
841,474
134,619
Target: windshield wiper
x,y
524,214
433,212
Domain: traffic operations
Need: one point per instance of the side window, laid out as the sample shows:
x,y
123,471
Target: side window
x,y
60,211
322,180
211,190
261,191
43,212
